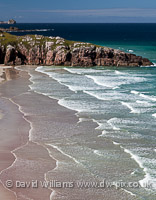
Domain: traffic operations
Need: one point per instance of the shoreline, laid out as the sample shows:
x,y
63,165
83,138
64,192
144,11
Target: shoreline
x,y
5,192
7,157
30,150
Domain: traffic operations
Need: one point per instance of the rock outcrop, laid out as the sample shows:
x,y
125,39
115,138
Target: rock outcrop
x,y
40,50
11,21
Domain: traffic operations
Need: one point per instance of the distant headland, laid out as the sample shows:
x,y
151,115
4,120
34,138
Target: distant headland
x,y
16,29
40,50
11,21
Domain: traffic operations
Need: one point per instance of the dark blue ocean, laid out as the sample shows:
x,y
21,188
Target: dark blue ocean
x,y
141,38
122,101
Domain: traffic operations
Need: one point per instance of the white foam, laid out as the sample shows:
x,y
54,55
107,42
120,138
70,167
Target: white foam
x,y
53,194
36,30
97,152
118,72
20,147
110,122
115,143
82,71
111,80
103,133
45,175
96,79
58,79
134,92
150,66
132,194
91,93
133,110
116,87
152,98
39,69
73,71
131,51
69,156
101,126
83,120
74,83
135,157
147,178
143,102
154,65
133,172
70,106
106,95
154,115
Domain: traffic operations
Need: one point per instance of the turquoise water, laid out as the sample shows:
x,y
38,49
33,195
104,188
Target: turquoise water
x,y
139,38
122,102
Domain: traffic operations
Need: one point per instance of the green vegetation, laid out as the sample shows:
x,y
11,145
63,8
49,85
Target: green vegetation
x,y
7,39
30,41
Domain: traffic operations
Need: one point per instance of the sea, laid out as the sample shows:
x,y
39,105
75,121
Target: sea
x,y
121,101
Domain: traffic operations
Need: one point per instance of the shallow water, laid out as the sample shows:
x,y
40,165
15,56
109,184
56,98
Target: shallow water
x,y
123,111
114,138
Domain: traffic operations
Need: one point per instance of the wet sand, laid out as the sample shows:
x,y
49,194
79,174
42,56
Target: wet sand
x,y
14,131
7,138
24,151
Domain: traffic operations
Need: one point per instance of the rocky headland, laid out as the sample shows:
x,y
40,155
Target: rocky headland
x,y
16,29
10,29
11,21
40,50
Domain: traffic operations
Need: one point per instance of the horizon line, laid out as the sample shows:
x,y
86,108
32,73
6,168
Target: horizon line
x,y
81,23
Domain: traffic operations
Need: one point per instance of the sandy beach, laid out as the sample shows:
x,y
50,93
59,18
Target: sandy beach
x,y
6,157
16,136
29,123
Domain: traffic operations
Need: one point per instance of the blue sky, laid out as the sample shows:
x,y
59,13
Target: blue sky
x,y
61,11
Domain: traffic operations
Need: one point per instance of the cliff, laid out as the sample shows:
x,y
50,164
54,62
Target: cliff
x,y
40,50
